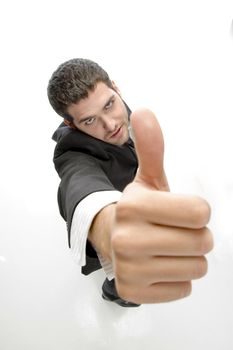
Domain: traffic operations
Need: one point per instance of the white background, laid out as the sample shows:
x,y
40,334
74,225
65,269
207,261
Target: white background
x,y
172,56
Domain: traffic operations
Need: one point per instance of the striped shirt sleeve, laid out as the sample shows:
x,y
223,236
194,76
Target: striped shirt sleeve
x,y
82,219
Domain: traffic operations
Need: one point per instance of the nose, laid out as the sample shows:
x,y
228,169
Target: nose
x,y
109,123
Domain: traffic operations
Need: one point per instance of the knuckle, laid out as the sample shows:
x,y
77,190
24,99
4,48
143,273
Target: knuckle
x,y
124,210
201,212
119,242
206,242
186,289
201,267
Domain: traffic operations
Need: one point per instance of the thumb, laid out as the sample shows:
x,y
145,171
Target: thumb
x,y
149,145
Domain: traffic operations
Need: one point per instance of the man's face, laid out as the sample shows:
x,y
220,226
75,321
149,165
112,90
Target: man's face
x,y
102,115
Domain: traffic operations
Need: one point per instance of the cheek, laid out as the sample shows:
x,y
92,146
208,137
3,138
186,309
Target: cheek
x,y
124,113
96,132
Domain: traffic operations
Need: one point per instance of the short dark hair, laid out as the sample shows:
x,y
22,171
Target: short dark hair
x,y
72,82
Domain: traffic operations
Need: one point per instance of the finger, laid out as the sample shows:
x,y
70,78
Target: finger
x,y
157,240
149,148
177,269
155,293
163,208
163,269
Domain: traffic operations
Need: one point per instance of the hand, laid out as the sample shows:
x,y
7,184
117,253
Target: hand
x,y
158,239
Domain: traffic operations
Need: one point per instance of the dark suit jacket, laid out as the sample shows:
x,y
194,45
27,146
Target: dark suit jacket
x,y
86,165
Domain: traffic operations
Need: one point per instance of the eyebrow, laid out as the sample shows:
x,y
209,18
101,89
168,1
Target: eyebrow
x,y
93,116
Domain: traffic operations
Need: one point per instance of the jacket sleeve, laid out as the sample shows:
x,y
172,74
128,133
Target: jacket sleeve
x,y
80,175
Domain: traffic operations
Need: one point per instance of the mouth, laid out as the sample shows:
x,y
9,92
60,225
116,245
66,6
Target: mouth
x,y
116,133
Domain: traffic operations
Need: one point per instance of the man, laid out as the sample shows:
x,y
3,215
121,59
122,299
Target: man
x,y
119,212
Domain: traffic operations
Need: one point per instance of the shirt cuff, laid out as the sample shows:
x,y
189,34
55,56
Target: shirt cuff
x,y
82,219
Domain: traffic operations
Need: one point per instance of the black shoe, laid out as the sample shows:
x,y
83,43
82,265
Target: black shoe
x,y
110,294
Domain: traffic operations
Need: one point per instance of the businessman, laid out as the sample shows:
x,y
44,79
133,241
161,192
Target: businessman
x,y
114,193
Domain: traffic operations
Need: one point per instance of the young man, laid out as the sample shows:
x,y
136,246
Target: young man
x,y
114,193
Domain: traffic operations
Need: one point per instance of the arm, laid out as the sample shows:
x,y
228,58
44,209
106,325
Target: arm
x,y
82,219
155,239
80,175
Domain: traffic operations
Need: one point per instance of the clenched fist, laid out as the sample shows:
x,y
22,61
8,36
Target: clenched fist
x,y
156,240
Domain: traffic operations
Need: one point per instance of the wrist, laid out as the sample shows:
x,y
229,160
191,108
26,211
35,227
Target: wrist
x,y
100,231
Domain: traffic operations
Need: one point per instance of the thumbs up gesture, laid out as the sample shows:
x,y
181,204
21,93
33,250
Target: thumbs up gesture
x,y
159,239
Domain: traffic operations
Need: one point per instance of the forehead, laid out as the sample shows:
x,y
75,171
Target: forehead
x,y
95,101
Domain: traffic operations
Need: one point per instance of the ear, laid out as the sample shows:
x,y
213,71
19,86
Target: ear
x,y
70,124
115,88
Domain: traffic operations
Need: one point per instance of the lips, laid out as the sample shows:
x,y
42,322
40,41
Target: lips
x,y
116,133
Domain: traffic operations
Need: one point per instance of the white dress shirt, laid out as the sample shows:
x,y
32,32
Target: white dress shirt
x,y
82,219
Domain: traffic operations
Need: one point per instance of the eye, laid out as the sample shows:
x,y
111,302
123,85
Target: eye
x,y
109,104
89,121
